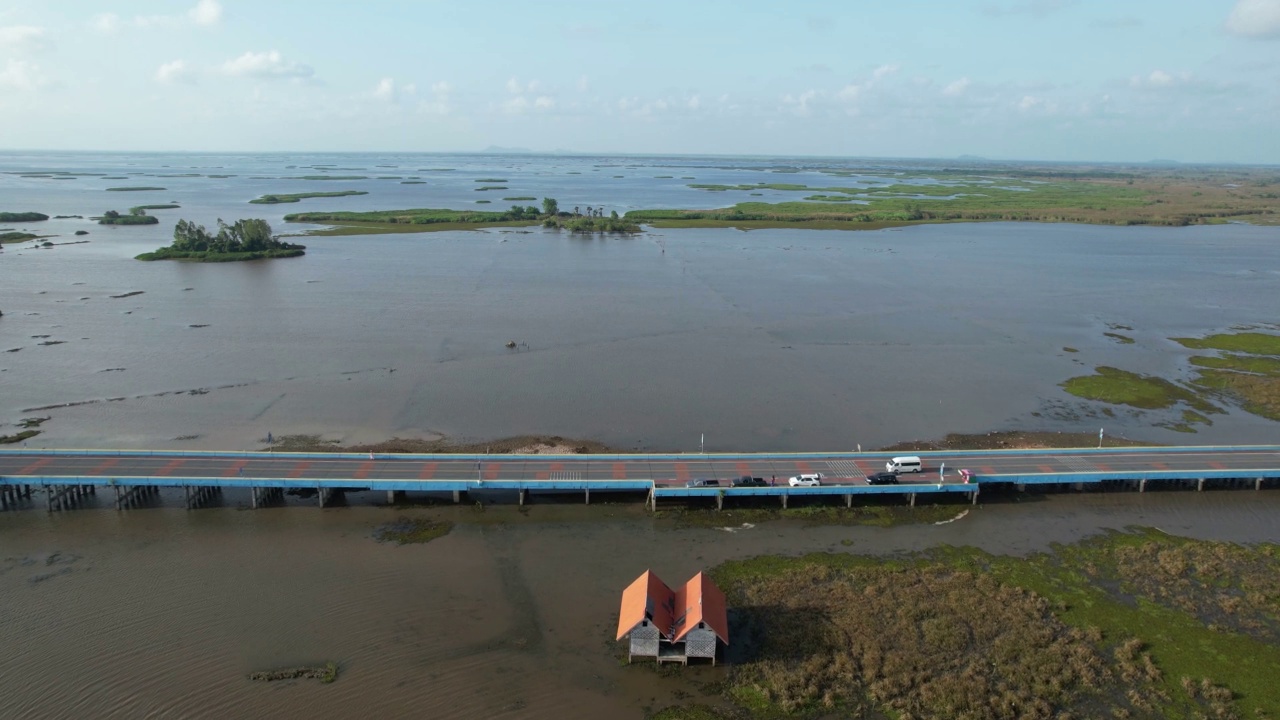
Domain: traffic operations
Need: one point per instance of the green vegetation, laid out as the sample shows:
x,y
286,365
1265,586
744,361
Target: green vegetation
x,y
1122,339
138,209
1080,195
136,188
491,180
326,673
136,216
295,197
492,187
1136,624
1120,387
588,224
13,236
330,177
245,240
22,217
1246,342
519,199
415,531
11,439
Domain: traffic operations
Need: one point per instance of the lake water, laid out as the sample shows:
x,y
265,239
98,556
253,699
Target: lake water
x,y
761,340
163,612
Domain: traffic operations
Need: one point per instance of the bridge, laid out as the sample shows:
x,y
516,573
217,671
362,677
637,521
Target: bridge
x,y
64,477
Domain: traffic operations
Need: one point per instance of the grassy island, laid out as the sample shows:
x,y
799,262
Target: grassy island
x,y
245,240
136,216
14,236
1136,624
135,188
295,197
22,217
435,219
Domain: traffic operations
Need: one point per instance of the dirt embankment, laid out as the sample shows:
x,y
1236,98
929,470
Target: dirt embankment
x,y
1014,440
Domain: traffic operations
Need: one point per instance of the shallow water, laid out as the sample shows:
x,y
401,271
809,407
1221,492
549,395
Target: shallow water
x,y
163,612
765,340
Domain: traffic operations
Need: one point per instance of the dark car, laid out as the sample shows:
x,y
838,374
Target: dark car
x,y
748,481
703,482
883,478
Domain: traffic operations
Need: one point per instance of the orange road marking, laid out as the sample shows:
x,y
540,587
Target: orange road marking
x,y
1160,466
987,470
235,468
362,472
428,471
682,472
35,466
619,471
1046,469
491,470
104,466
299,469
744,469
173,465
803,467
1103,467
557,467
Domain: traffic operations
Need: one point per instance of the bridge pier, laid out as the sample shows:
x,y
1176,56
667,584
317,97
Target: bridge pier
x,y
848,500
587,495
324,495
130,496
911,500
974,495
522,494
394,496
1142,485
65,497
784,501
457,496
651,502
200,495
1200,485
1257,483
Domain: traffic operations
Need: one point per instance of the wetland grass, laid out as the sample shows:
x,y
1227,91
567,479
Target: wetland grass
x,y
134,188
1128,624
412,531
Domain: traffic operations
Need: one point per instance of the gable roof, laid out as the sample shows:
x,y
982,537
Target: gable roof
x,y
647,598
700,601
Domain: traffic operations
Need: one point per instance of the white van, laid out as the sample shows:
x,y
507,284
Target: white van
x,y
907,463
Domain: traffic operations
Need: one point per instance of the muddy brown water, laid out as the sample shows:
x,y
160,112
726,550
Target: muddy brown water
x,y
162,612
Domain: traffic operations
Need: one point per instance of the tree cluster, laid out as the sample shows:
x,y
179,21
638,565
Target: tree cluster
x,y
244,236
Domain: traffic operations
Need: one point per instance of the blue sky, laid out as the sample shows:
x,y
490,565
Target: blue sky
x,y
1087,80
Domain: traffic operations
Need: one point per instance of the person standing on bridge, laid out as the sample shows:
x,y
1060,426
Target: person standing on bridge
x,y
773,480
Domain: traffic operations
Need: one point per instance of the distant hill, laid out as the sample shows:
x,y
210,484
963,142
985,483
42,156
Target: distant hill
x,y
1163,162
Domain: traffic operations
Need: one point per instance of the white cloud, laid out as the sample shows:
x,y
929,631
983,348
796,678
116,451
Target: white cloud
x,y
1029,102
441,88
22,38
883,71
799,104
386,90
694,103
1255,18
1159,79
850,92
956,88
206,12
175,72
269,65
107,23
544,102
515,106
583,84
513,86
22,75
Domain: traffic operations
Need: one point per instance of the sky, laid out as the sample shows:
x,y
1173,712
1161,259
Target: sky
x,y
1069,80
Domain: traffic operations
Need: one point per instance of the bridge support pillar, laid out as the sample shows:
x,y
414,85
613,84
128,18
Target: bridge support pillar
x,y
911,500
848,500
457,496
394,496
784,501
324,495
1257,483
1200,485
652,501
974,496
1079,487
1022,487
523,493
719,501
587,495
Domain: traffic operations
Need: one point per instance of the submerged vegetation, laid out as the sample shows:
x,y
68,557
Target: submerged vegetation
x,y
137,188
326,673
1128,625
1246,372
245,240
295,197
413,531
